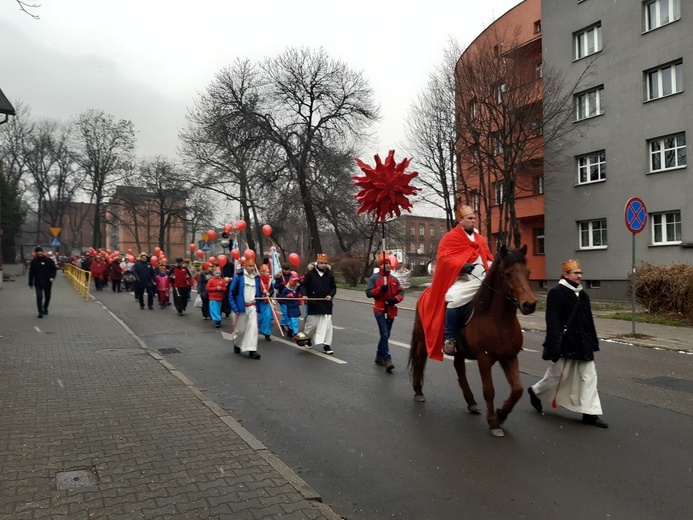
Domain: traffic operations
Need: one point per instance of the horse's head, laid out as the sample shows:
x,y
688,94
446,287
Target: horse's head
x,y
515,277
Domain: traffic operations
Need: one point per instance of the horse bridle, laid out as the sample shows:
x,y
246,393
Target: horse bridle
x,y
511,297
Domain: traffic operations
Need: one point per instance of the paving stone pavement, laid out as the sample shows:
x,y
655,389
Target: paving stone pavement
x,y
80,393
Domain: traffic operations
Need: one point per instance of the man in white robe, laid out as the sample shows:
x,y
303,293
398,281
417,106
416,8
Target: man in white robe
x,y
245,288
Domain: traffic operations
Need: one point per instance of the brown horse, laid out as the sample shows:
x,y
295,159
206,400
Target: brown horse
x,y
493,334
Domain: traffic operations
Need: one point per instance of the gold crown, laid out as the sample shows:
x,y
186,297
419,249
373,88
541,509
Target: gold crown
x,y
249,261
463,211
322,257
570,265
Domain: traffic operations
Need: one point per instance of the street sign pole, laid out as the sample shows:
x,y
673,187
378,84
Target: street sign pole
x,y
636,218
633,284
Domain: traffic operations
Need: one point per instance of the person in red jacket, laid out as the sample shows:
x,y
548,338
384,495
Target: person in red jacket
x,y
385,289
181,282
99,270
462,259
216,289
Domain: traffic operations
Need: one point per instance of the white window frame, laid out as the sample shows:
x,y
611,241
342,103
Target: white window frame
x,y
588,41
668,77
662,16
590,163
590,230
498,193
663,224
589,103
497,145
663,150
475,200
501,88
422,230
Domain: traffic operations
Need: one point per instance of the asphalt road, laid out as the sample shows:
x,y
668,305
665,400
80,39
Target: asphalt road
x,y
355,434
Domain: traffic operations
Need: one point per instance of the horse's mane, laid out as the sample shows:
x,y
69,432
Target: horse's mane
x,y
484,295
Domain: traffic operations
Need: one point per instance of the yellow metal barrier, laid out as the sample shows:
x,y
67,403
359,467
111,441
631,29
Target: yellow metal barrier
x,y
79,278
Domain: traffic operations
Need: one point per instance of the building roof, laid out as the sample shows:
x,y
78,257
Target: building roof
x,y
5,105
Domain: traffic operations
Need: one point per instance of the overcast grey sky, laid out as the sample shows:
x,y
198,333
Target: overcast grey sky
x,y
146,60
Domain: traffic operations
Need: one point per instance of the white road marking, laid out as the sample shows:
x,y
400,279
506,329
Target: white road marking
x,y
229,337
37,329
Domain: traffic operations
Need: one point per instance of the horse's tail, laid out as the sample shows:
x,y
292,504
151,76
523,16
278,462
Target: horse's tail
x,y
417,347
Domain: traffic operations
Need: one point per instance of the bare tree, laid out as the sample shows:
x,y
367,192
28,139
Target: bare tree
x,y
104,149
506,98
26,6
56,179
13,138
432,136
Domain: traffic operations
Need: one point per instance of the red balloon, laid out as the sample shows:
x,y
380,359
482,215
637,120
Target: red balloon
x,y
200,254
212,259
206,265
192,248
240,225
393,262
157,250
212,235
154,260
228,228
249,253
129,251
267,230
235,254
222,260
294,259
116,253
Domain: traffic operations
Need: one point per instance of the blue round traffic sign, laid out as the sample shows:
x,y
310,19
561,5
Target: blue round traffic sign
x,y
636,215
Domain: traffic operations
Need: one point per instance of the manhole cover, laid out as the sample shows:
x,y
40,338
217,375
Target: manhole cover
x,y
171,350
77,478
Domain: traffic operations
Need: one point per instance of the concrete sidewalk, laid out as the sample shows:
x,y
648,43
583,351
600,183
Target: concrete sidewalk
x,y
93,425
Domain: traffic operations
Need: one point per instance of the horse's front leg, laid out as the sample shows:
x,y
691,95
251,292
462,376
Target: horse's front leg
x,y
511,367
461,370
485,364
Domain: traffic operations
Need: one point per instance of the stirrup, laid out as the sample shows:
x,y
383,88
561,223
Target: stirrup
x,y
449,347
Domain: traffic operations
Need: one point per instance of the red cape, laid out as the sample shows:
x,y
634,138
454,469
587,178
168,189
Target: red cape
x,y
454,250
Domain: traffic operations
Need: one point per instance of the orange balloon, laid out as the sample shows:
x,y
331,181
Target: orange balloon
x,y
200,254
267,230
294,259
212,235
240,225
222,260
235,254
393,262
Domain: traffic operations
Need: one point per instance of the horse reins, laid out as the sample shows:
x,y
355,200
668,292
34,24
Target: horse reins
x,y
511,297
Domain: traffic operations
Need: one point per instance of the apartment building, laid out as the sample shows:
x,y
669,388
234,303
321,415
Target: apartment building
x,y
633,117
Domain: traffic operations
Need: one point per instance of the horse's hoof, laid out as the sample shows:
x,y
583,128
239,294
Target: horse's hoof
x,y
474,408
419,398
497,432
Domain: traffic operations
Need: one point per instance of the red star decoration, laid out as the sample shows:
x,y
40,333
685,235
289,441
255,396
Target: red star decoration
x,y
385,188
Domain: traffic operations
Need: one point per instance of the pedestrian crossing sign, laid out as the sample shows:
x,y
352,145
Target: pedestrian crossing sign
x,y
54,241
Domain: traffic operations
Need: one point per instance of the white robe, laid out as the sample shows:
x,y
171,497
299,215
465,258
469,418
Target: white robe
x,y
318,327
578,386
245,330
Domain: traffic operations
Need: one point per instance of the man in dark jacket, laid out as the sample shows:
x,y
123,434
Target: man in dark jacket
x,y
42,272
570,335
145,280
318,288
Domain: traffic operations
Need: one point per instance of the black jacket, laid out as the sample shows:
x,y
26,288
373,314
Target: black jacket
x,y
580,338
316,286
145,276
41,270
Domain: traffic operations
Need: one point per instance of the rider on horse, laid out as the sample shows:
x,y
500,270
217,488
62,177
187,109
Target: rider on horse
x,y
462,259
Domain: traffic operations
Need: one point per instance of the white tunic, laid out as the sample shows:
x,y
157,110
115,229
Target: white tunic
x,y
578,386
318,327
245,331
464,288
